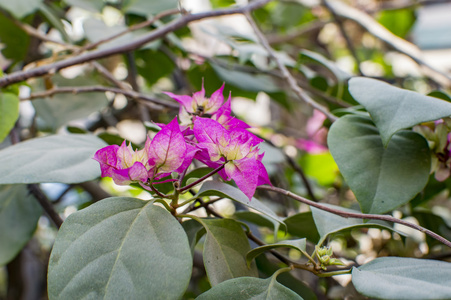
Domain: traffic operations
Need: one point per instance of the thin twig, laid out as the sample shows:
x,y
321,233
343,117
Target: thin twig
x,y
135,44
286,74
131,29
45,203
89,89
340,25
377,30
307,28
356,215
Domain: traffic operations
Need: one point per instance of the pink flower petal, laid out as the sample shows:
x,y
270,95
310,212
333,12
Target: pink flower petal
x,y
243,172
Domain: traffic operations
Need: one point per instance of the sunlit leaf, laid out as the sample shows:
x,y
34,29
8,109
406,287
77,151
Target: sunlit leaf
x,y
120,248
9,113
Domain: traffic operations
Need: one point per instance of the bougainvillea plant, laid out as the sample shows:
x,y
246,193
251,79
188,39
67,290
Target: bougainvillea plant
x,y
340,189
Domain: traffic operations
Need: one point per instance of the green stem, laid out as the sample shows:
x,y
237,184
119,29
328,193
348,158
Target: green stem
x,y
333,273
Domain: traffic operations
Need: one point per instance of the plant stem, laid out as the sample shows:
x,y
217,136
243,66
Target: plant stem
x,y
187,187
356,215
45,203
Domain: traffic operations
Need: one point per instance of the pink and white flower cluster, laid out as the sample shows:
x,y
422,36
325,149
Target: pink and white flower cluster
x,y
209,134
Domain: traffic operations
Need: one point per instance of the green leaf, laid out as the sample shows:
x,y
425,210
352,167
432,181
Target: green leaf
x,y
246,81
328,223
120,248
19,215
196,174
403,278
90,5
148,8
393,109
57,158
62,108
9,113
194,231
398,21
302,225
320,166
14,40
307,56
216,188
294,244
20,8
381,178
225,251
250,288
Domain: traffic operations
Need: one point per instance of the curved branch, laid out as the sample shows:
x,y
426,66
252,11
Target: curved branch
x,y
89,89
356,215
135,44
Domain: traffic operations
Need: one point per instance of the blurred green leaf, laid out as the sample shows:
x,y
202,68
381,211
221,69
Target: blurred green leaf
x,y
194,231
153,65
306,56
225,250
56,158
62,108
19,215
393,109
14,40
90,5
320,166
120,248
9,113
20,8
375,173
398,21
403,278
148,8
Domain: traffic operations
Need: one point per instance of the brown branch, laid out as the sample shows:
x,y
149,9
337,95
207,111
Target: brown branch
x,y
135,44
377,30
45,203
356,215
89,89
131,29
285,73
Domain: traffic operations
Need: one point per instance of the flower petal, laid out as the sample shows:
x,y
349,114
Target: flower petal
x,y
107,159
168,148
244,173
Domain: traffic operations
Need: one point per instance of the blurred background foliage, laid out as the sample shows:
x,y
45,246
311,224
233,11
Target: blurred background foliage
x,y
323,44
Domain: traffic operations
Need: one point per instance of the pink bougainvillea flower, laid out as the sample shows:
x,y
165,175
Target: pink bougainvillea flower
x,y
198,103
123,164
317,135
165,153
237,149
225,118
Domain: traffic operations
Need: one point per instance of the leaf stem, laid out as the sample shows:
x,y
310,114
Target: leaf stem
x,y
187,187
45,203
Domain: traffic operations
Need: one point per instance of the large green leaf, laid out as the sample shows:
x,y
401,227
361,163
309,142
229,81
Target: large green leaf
x,y
62,108
19,214
120,248
9,112
225,251
57,158
381,178
216,188
403,278
293,244
250,288
91,5
14,40
393,109
20,8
